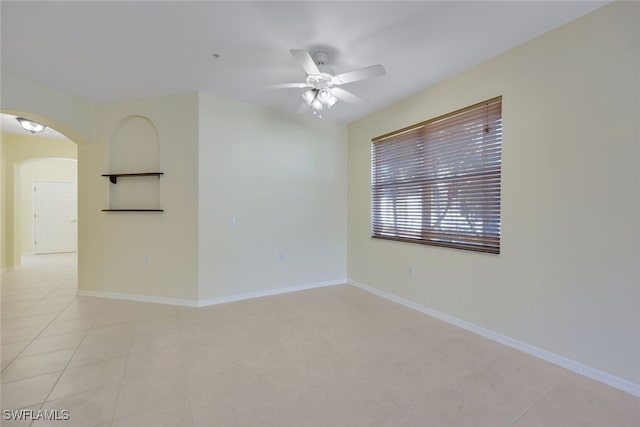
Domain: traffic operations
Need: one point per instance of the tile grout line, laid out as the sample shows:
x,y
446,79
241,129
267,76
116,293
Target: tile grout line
x,y
38,336
476,369
182,367
126,363
42,299
542,396
67,364
115,407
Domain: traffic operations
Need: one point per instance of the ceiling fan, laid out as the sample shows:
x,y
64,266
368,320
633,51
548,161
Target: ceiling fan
x,y
324,91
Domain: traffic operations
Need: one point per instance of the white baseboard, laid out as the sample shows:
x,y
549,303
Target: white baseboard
x,y
139,298
269,292
206,302
569,364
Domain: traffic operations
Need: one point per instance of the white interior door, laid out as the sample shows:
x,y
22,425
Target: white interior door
x,y
55,217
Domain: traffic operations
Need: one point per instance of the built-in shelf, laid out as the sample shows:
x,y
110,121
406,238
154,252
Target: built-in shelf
x,y
113,177
132,210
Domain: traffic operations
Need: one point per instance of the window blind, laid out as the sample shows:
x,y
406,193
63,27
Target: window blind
x,y
438,182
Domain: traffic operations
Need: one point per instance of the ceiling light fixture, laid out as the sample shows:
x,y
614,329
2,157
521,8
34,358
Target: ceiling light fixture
x,y
308,97
30,125
317,99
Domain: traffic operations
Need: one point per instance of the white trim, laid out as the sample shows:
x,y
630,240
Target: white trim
x,y
139,298
571,365
269,292
207,302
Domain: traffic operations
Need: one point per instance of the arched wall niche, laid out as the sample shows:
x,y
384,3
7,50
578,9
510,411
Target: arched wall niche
x,y
134,148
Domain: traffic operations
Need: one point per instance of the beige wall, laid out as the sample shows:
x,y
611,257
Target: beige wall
x,y
293,204
567,279
113,245
17,149
4,262
284,179
49,169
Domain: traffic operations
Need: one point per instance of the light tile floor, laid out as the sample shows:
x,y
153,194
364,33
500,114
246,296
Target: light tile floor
x,y
334,356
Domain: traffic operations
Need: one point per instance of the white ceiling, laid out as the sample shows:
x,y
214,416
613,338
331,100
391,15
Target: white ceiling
x,y
115,51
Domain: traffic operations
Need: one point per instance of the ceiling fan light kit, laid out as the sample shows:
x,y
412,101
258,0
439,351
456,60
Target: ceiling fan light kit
x,y
317,99
323,92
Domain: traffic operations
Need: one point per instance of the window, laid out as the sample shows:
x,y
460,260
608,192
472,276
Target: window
x,y
438,182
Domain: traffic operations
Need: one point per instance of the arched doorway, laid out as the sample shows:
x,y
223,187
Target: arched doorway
x,y
26,160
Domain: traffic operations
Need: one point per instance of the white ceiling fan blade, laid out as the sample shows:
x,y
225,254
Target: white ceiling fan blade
x,y
360,74
342,94
305,61
284,86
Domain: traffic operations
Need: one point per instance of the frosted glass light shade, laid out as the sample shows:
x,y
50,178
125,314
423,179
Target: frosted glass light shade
x,y
30,126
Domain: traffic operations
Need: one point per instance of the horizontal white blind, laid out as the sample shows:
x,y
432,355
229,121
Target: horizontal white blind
x,y
438,182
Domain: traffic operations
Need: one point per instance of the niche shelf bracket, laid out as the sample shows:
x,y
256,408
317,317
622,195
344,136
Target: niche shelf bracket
x,y
113,177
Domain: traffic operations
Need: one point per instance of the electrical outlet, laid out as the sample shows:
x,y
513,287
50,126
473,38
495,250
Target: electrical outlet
x,y
147,260
233,221
282,258
412,270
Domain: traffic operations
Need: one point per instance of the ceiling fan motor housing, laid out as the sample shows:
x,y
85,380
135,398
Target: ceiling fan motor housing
x,y
325,78
320,81
320,58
